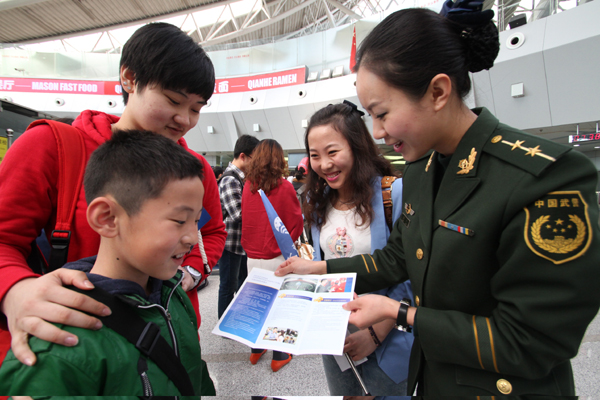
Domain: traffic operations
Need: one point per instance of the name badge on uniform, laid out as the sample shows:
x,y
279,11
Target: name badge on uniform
x,y
405,220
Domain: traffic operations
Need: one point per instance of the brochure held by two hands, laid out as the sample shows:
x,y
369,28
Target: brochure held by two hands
x,y
297,314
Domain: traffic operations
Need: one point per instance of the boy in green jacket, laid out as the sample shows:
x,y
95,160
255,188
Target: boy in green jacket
x,y
144,195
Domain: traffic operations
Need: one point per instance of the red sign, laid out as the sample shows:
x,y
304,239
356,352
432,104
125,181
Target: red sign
x,y
353,51
273,80
584,137
33,85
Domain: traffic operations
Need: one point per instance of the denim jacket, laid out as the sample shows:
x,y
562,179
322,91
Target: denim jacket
x,y
394,352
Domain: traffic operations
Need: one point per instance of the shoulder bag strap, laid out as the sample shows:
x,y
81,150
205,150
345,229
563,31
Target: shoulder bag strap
x,y
282,236
388,204
145,336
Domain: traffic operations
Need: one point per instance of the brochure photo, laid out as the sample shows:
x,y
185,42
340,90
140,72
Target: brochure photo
x,y
298,314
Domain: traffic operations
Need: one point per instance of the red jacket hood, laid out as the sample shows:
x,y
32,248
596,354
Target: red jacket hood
x,y
98,126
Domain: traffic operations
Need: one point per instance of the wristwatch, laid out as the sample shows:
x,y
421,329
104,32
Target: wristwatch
x,y
401,323
196,276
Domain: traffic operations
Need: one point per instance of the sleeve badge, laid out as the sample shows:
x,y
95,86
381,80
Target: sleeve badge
x,y
557,226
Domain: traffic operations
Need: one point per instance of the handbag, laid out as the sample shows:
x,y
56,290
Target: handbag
x,y
305,249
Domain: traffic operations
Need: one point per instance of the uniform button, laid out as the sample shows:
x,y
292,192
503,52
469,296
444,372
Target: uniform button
x,y
419,254
504,386
417,301
496,139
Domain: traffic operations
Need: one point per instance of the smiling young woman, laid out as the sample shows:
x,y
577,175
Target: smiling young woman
x,y
345,212
503,295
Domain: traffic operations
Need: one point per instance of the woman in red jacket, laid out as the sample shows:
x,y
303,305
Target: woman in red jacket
x,y
266,172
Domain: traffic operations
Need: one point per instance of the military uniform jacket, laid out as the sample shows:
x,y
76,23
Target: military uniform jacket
x,y
504,263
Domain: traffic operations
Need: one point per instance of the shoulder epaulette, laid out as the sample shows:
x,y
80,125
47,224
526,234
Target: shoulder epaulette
x,y
528,152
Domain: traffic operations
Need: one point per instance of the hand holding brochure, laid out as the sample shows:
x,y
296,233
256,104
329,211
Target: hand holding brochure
x,y
298,314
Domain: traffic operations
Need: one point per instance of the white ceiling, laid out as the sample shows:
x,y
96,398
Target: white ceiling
x,y
209,22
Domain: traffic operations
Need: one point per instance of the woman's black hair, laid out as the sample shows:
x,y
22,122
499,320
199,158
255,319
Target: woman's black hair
x,y
162,54
368,164
411,46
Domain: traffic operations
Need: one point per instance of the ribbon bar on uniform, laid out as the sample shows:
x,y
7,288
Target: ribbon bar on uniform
x,y
456,228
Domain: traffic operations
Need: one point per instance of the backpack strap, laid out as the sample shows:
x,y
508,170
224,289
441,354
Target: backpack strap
x,y
71,167
388,204
145,336
236,176
230,172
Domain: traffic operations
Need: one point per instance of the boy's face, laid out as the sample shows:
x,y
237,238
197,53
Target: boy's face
x,y
154,241
170,113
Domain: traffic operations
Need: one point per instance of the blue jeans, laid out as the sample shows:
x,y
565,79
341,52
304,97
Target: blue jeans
x,y
233,270
345,383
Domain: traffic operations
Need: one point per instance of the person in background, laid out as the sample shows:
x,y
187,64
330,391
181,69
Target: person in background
x,y
265,172
166,78
218,171
146,215
299,180
497,233
346,215
233,263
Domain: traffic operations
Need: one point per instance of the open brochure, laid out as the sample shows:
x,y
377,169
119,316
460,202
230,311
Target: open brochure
x,y
298,314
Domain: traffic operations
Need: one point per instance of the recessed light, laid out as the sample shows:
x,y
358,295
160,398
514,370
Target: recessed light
x,y
575,145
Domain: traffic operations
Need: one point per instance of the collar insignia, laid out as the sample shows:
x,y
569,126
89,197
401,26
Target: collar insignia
x,y
466,165
429,162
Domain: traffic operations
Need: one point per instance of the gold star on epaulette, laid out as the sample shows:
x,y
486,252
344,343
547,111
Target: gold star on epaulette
x,y
530,151
518,144
533,151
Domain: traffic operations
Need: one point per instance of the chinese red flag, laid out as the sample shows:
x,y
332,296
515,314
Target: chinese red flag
x,y
353,51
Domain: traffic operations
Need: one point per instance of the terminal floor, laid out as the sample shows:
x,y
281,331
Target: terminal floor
x,y
235,378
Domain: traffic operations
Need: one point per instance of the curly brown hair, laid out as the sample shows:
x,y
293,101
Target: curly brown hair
x,y
368,164
267,166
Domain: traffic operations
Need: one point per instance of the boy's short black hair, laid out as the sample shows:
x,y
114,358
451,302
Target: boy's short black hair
x,y
162,54
135,166
245,144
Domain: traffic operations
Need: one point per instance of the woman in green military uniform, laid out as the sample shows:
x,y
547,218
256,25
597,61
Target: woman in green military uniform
x,y
496,235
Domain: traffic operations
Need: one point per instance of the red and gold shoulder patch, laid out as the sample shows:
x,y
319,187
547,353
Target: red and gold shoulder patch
x,y
557,226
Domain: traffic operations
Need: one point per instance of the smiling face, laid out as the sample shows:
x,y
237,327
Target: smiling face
x,y
402,122
331,158
154,240
170,113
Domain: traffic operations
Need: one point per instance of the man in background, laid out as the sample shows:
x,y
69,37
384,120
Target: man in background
x,y
233,263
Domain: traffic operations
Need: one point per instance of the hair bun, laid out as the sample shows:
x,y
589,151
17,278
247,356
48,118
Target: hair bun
x,y
479,34
481,46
